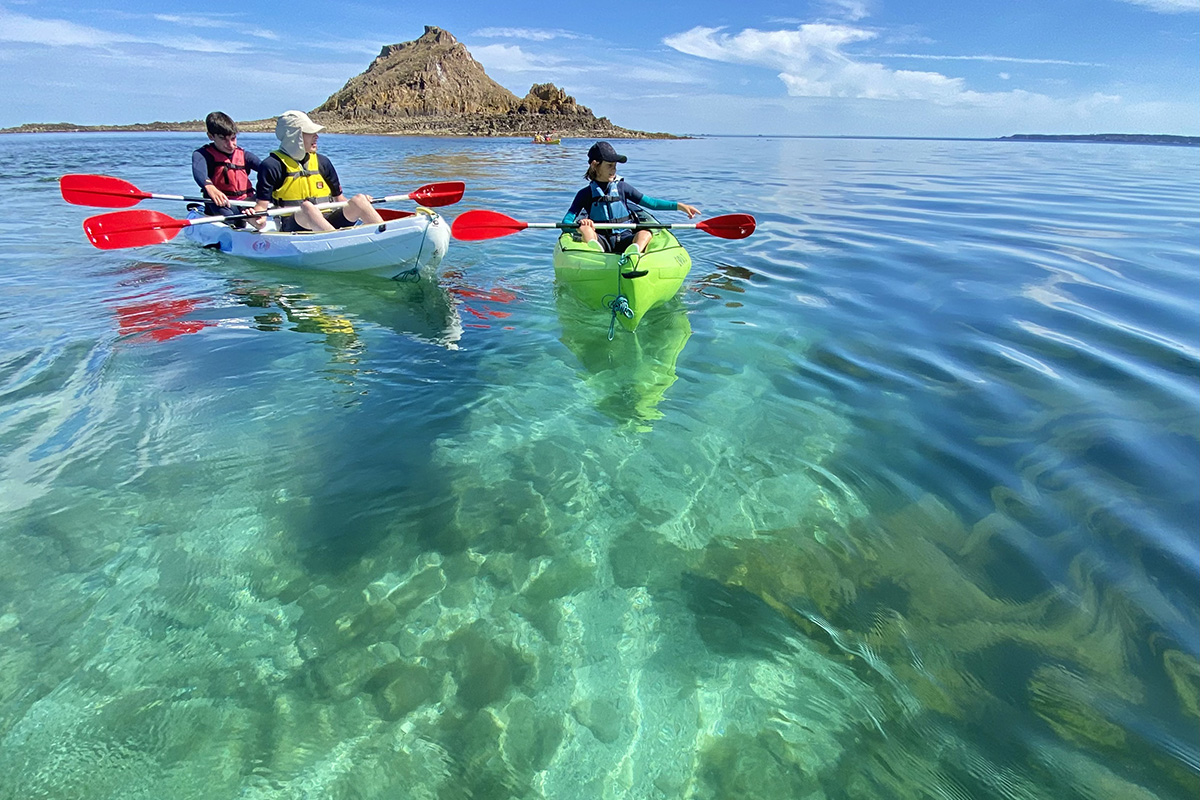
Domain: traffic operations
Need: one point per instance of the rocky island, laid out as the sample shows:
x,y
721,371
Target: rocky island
x,y
430,86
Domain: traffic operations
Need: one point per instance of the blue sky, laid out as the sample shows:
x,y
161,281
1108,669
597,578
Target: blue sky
x,y
828,67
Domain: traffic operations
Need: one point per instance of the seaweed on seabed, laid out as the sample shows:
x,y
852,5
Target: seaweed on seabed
x,y
915,601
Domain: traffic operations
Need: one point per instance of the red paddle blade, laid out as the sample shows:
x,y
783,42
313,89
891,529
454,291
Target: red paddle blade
x,y
730,226
131,229
391,213
474,226
101,191
435,195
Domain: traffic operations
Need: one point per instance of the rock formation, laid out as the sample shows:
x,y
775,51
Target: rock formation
x,y
432,86
433,76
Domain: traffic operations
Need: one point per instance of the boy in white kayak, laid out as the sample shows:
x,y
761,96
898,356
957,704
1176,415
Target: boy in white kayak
x,y
607,198
295,175
222,169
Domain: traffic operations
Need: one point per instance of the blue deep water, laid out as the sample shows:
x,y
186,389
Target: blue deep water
x,y
898,498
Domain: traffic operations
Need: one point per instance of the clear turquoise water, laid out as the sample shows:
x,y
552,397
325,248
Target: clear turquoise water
x,y
898,500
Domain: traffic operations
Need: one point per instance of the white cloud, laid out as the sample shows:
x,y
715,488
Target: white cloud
x,y
200,21
530,34
194,44
511,58
649,73
1007,113
814,62
63,33
852,10
1006,59
1168,6
811,45
54,32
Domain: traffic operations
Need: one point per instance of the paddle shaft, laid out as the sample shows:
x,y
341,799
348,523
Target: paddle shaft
x,y
154,196
612,226
480,224
288,210
106,191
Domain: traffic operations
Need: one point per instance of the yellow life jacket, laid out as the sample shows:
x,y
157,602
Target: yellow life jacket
x,y
301,182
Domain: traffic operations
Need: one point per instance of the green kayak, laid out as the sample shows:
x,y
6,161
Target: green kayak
x,y
595,278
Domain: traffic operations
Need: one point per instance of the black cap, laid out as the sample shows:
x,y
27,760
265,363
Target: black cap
x,y
603,151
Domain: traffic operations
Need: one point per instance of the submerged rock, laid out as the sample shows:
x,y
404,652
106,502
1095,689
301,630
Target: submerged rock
x,y
411,686
600,717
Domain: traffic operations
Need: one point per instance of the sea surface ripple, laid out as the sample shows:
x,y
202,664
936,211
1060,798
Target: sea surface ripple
x,y
897,499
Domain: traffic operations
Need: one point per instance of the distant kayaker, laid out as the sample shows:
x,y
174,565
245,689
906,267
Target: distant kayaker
x,y
608,198
295,175
222,169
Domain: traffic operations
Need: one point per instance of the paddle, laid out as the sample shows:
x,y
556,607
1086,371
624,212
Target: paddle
x,y
474,226
105,191
138,227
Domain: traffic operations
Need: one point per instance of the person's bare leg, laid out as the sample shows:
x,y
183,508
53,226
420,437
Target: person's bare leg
x,y
310,218
360,208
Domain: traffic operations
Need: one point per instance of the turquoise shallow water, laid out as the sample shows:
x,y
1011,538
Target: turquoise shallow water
x,y
897,500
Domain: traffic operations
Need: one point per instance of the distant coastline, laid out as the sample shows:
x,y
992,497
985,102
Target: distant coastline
x,y
267,125
1107,138
463,127
140,127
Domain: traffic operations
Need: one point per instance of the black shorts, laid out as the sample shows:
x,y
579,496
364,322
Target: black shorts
x,y
336,218
614,241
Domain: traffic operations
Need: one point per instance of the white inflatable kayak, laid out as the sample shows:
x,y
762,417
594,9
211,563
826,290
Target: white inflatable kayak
x,y
402,244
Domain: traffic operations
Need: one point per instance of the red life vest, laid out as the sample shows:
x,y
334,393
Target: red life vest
x,y
229,174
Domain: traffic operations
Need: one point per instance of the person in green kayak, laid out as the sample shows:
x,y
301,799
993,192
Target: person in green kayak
x,y
608,198
295,175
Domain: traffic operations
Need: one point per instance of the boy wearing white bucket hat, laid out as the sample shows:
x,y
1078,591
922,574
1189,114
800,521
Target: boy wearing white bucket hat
x,y
296,175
